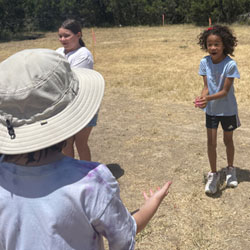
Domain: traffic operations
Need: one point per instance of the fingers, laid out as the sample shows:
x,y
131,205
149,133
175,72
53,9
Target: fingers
x,y
145,196
200,102
197,101
162,191
166,187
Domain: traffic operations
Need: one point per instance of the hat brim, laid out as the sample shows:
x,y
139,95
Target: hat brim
x,y
72,119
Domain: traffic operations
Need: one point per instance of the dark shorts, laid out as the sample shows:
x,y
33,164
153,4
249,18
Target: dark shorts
x,y
228,123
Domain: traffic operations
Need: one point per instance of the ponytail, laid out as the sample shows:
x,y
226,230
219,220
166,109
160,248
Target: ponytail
x,y
81,42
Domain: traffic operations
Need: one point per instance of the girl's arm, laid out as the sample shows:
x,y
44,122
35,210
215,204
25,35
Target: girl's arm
x,y
204,91
227,85
200,101
205,97
147,211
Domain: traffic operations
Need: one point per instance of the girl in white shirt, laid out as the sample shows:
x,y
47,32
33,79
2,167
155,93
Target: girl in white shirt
x,y
70,36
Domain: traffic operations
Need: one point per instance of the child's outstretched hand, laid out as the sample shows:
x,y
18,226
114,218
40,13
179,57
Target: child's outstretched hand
x,y
200,102
160,194
146,212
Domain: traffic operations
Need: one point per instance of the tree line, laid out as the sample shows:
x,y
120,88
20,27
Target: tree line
x,y
47,15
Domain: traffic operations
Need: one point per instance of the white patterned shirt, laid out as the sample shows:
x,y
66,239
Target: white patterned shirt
x,y
65,205
79,58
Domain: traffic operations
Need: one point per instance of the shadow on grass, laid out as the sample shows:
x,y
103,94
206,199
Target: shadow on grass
x,y
21,37
116,170
243,175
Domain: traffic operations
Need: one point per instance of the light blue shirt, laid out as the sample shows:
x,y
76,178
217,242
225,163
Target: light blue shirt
x,y
65,205
216,75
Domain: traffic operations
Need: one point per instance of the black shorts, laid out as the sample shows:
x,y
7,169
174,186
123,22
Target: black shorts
x,y
228,123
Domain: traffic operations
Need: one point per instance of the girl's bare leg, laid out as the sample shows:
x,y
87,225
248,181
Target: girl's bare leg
x,y
69,148
228,141
81,140
211,148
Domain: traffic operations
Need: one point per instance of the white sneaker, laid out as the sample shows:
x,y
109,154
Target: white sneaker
x,y
231,178
212,183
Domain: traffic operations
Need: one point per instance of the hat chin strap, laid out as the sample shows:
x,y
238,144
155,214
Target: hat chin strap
x,y
10,130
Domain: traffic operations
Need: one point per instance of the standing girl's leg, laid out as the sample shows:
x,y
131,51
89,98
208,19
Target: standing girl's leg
x,y
81,140
211,148
213,177
228,141
231,178
69,147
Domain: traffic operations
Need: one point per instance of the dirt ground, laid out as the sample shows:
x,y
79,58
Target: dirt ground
x,y
147,142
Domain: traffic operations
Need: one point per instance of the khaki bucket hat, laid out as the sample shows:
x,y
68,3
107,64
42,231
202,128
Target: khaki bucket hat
x,y
43,101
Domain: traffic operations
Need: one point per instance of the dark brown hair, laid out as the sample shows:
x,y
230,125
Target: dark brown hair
x,y
75,27
226,35
43,152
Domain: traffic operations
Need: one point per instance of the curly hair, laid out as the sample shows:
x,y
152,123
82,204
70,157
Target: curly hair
x,y
226,35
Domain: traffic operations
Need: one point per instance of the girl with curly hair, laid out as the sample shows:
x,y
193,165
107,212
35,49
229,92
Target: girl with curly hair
x,y
218,100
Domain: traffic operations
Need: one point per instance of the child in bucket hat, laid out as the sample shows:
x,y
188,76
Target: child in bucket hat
x,y
48,200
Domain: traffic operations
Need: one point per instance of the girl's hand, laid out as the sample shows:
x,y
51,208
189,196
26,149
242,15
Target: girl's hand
x,y
200,102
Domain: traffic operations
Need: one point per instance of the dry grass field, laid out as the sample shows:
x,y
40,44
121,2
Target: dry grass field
x,y
149,132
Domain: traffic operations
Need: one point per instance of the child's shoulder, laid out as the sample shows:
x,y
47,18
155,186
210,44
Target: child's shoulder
x,y
97,175
205,59
82,51
90,168
90,165
229,59
229,63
